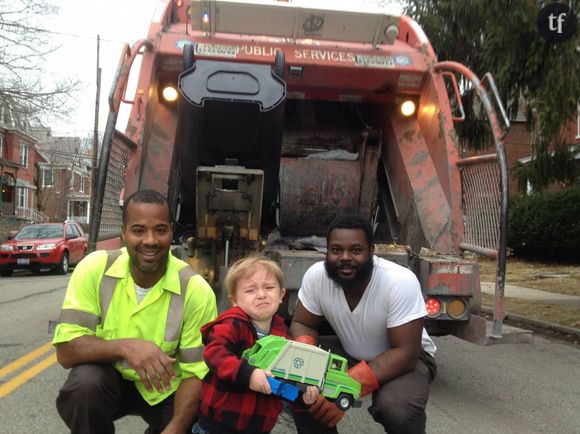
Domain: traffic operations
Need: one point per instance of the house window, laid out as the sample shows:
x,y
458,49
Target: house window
x,y
24,154
47,177
70,232
82,184
78,209
1,146
22,198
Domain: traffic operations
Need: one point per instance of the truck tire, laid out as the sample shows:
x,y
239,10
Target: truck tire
x,y
279,64
188,56
344,401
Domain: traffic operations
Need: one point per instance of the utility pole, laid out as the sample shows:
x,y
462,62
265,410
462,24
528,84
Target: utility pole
x,y
96,134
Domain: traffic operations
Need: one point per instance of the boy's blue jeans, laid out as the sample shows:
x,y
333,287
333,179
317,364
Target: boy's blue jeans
x,y
196,429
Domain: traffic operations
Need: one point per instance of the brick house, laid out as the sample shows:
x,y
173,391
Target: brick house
x,y
517,146
17,168
64,177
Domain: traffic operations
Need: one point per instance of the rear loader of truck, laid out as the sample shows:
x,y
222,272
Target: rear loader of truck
x,y
262,122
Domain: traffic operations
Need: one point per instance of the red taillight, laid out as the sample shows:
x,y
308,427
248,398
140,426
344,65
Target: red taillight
x,y
433,307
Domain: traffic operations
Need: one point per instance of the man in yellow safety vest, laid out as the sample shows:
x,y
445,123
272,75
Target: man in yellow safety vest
x,y
129,329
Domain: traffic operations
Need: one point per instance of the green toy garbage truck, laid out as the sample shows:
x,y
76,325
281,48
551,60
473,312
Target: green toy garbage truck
x,y
296,365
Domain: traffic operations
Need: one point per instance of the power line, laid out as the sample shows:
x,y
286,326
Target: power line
x,y
71,35
76,35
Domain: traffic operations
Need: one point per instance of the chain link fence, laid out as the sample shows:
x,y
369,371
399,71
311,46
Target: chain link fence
x,y
111,217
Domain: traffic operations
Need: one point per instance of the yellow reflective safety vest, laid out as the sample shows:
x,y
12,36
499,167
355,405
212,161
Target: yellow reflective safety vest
x,y
101,301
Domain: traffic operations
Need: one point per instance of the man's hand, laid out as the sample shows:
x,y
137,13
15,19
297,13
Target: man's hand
x,y
259,381
185,406
171,429
326,412
155,368
310,395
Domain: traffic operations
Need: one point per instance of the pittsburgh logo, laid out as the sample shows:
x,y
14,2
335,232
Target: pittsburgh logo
x,y
313,23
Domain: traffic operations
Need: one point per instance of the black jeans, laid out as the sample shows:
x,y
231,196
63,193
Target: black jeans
x,y
399,405
95,395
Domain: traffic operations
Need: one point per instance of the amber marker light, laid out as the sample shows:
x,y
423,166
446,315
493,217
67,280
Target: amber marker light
x,y
456,308
408,108
433,307
169,93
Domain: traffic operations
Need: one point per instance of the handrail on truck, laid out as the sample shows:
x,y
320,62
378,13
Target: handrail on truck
x,y
116,95
498,134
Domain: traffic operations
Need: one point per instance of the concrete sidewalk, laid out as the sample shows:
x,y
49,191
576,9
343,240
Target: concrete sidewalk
x,y
513,291
519,292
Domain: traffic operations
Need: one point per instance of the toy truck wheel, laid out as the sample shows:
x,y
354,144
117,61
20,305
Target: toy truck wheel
x,y
344,401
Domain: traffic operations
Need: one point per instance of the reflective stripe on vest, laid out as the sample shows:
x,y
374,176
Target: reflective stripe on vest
x,y
88,320
191,355
184,355
79,317
108,284
175,311
174,314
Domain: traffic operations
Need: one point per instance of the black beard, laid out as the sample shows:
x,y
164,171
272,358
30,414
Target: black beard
x,y
361,276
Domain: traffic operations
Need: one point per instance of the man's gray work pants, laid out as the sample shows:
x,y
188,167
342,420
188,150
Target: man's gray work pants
x,y
95,395
399,405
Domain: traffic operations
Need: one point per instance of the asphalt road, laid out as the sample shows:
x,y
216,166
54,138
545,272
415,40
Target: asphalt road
x,y
502,389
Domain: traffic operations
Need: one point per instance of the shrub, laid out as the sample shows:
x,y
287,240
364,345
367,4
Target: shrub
x,y
546,226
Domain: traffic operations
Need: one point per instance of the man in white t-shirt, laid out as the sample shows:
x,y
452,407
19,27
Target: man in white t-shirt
x,y
377,311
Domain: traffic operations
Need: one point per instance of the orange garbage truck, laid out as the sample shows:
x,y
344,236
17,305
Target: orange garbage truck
x,y
263,121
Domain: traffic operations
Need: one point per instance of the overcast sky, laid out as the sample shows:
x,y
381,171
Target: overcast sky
x,y
76,27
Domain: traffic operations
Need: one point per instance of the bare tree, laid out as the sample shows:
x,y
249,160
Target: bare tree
x,y
24,43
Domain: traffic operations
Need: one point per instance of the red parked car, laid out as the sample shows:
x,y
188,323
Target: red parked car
x,y
45,245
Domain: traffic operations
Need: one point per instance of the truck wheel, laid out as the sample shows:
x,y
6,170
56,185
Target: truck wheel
x,y
344,401
62,267
279,64
188,56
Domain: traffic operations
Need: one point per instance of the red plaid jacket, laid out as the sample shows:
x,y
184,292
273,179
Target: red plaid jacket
x,y
226,399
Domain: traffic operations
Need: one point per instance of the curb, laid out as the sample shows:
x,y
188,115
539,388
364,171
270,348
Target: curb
x,y
536,322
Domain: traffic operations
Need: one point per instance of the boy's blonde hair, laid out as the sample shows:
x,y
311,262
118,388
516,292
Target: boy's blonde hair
x,y
249,265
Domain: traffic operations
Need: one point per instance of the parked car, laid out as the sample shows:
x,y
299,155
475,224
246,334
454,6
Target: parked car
x,y
45,245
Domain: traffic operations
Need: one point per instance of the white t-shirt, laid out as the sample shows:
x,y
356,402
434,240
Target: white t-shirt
x,y
141,293
393,297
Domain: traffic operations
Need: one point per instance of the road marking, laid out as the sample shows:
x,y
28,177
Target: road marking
x,y
19,380
27,358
